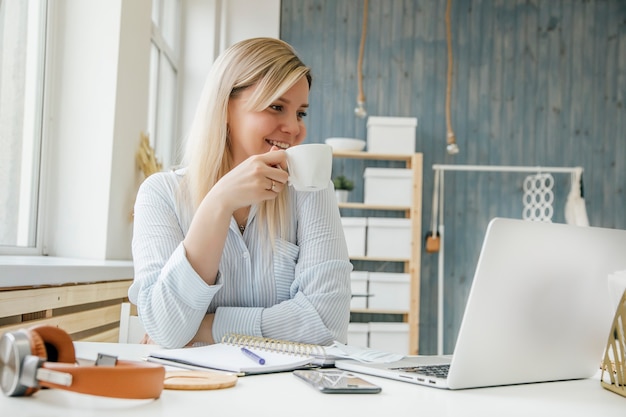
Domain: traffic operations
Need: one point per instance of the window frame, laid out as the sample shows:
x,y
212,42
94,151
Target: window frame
x,y
164,147
32,241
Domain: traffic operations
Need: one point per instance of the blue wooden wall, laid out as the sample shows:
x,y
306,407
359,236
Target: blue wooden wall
x,y
535,82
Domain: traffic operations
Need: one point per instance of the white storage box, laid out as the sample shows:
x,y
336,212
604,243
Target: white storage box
x,y
389,337
389,291
389,238
358,285
354,231
391,135
358,334
388,186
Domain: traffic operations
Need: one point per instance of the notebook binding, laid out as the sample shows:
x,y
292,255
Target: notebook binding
x,y
274,345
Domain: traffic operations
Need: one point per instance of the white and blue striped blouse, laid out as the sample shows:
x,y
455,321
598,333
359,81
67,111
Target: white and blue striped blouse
x,y
298,291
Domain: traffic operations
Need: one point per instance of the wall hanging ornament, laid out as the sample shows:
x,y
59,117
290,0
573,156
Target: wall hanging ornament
x,y
146,158
451,147
538,197
360,111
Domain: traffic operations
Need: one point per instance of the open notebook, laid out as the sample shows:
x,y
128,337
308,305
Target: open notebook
x,y
276,355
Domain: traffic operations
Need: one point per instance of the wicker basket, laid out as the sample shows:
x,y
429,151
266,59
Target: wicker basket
x,y
614,361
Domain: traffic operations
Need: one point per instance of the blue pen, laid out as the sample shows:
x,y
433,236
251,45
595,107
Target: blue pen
x,y
253,356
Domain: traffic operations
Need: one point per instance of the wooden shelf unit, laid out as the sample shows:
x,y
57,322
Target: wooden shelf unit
x,y
414,212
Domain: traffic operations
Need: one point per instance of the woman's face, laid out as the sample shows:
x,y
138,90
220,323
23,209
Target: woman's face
x,y
281,124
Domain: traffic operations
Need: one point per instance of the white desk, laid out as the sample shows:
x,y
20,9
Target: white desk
x,y
278,395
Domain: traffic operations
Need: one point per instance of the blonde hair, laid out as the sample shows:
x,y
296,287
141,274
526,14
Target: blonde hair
x,y
274,67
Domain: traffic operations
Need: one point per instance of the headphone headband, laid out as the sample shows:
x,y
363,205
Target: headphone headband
x,y
44,357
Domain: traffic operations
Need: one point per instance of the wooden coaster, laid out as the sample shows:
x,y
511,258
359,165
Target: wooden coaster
x,y
198,380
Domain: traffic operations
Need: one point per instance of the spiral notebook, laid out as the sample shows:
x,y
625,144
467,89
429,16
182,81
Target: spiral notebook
x,y
275,355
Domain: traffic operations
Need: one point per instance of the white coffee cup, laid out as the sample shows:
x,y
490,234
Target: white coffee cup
x,y
310,166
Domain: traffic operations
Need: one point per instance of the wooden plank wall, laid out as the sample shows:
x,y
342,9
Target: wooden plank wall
x,y
87,312
536,82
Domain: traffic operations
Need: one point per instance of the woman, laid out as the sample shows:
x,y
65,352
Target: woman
x,y
225,245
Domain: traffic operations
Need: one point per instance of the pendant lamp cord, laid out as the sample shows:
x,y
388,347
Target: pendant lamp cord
x,y
359,111
451,147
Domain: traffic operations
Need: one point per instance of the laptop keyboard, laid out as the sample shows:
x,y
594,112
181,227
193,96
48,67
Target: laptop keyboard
x,y
437,371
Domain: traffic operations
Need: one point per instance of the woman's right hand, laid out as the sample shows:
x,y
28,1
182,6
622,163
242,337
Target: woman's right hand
x,y
258,178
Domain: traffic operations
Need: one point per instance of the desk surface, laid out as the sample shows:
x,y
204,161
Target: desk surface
x,y
282,394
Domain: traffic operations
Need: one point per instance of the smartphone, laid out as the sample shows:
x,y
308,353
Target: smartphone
x,y
334,381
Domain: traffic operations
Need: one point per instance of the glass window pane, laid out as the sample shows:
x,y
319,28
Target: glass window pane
x,y
22,33
163,79
156,11
166,120
169,23
153,93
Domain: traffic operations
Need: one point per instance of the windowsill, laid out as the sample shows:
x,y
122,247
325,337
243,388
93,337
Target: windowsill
x,y
29,271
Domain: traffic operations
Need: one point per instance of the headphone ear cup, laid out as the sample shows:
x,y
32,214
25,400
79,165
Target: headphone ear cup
x,y
57,344
37,348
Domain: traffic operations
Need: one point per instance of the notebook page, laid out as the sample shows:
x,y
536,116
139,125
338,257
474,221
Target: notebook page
x,y
230,358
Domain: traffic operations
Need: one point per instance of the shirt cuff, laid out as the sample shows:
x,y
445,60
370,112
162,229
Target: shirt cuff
x,y
238,320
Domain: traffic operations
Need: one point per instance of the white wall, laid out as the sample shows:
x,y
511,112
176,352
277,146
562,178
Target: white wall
x,y
209,27
249,18
97,110
98,106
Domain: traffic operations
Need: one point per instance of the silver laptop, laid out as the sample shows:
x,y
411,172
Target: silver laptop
x,y
538,310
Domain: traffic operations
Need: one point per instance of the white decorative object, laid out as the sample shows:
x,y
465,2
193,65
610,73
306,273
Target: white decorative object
x,y
390,337
391,135
389,237
342,196
346,144
358,286
389,291
388,186
575,209
358,334
538,197
354,231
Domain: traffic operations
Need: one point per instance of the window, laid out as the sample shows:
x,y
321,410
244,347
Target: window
x,y
22,54
164,79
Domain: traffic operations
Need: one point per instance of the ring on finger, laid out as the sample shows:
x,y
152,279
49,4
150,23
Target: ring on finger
x,y
273,186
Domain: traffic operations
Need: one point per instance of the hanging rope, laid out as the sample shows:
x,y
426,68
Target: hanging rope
x,y
360,111
451,147
433,242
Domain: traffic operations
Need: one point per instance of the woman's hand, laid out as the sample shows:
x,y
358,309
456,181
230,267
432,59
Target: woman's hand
x,y
258,178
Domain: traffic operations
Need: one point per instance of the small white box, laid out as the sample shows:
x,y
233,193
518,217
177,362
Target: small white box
x,y
388,186
358,334
354,231
389,337
358,285
391,135
389,291
389,238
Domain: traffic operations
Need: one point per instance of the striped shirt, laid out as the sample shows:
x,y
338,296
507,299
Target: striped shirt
x,y
299,290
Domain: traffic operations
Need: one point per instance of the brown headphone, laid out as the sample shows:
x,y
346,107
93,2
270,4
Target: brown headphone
x,y
44,356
